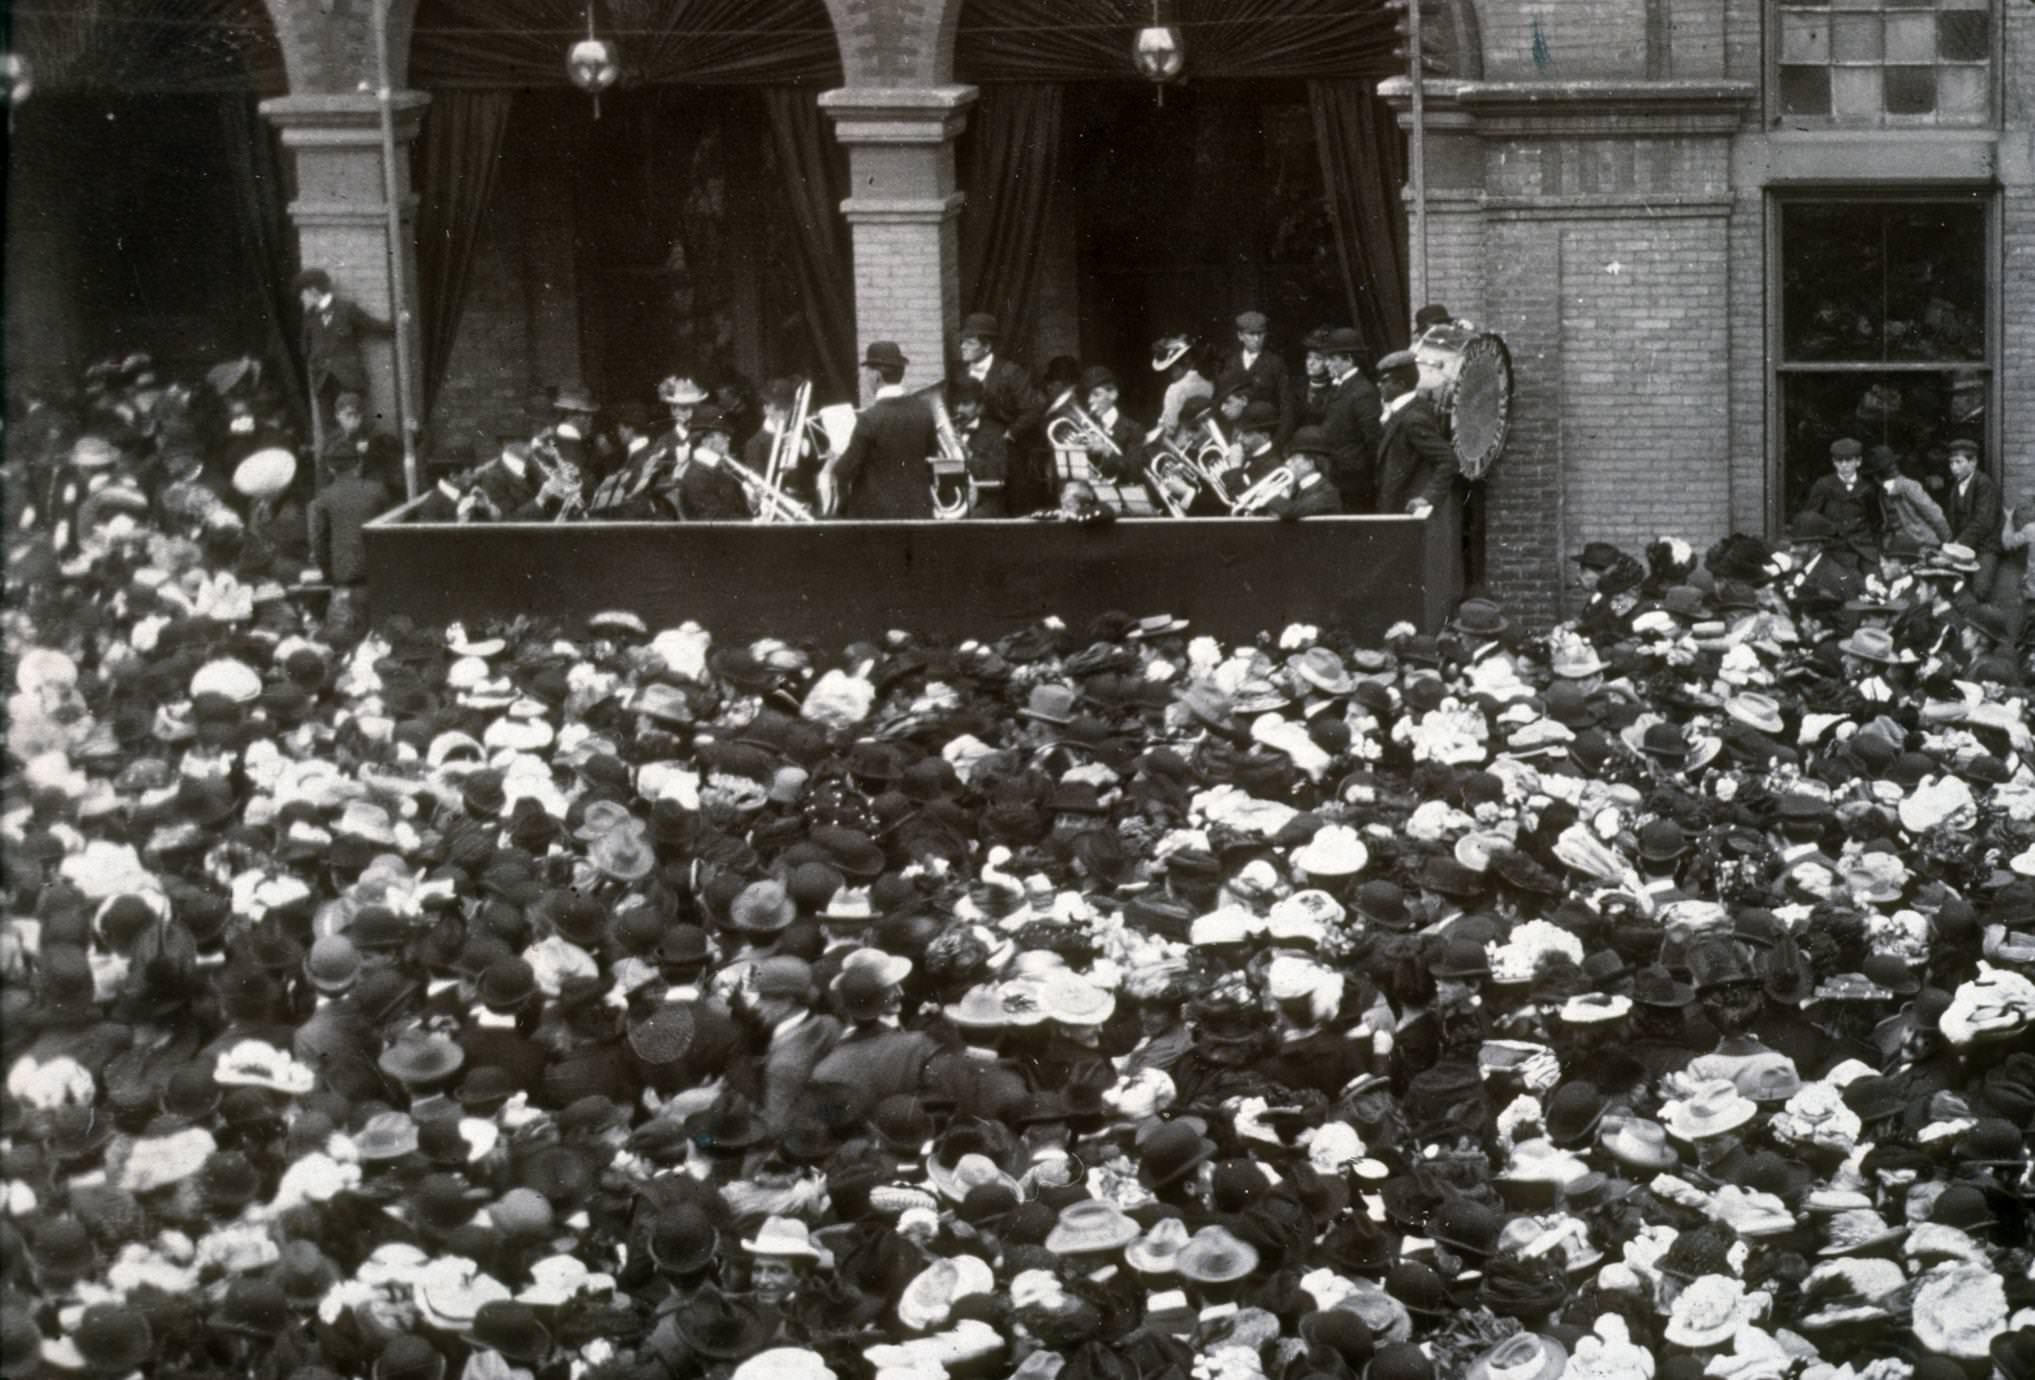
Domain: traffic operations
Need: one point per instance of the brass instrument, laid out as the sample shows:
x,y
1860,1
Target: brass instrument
x,y
950,466
1073,427
1174,477
784,450
559,477
773,503
1261,495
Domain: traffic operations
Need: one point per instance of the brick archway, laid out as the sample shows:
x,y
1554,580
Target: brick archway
x,y
896,42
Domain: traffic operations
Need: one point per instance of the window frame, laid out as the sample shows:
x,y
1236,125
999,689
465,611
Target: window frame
x,y
1778,121
1776,366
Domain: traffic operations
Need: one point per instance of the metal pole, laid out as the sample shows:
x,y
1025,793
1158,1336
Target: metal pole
x,y
406,391
1417,154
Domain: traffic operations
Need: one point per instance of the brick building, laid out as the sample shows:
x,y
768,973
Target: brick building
x,y
1715,234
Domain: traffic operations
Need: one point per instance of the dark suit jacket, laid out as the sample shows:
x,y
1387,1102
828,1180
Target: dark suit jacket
x,y
868,1068
338,513
789,1064
1009,401
1270,382
332,338
1352,426
1319,500
1975,516
1414,461
883,474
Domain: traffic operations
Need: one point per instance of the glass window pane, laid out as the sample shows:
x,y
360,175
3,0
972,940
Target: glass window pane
x,y
1833,275
1911,90
1911,38
1855,38
1805,38
1963,92
1965,36
1935,282
1805,90
1855,93
1913,415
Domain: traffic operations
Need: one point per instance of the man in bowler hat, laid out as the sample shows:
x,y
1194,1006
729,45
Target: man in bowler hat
x,y
1351,421
1416,466
333,330
1010,405
883,472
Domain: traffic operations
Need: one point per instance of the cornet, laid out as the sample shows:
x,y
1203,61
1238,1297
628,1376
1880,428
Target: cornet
x,y
1267,491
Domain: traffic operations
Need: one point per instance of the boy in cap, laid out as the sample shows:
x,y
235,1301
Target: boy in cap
x,y
381,459
1847,503
1266,379
1972,506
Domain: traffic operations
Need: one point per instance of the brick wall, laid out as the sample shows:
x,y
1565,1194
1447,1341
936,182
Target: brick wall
x,y
2017,216
1645,439
1522,538
907,289
1747,432
1563,39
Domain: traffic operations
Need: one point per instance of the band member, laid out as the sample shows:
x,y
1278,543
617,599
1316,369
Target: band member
x,y
708,491
681,397
642,487
883,473
1009,404
1417,467
1351,422
1173,357
1312,495
1316,385
779,397
1113,467
577,409
1256,452
1266,373
988,449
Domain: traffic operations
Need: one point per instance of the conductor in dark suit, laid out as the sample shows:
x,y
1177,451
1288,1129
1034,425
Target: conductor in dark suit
x,y
1010,405
1417,466
1266,378
1973,507
883,472
1350,422
333,331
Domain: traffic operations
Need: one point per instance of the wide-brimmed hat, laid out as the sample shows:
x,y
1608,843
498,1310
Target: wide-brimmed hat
x,y
784,1237
265,473
1523,1356
419,1060
679,390
721,1328
1709,1311
1336,850
1157,1252
1215,1255
1091,1226
511,1328
1638,1142
1712,1109
928,1300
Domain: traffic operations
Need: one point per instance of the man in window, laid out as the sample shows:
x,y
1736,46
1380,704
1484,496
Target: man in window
x,y
1848,502
1973,508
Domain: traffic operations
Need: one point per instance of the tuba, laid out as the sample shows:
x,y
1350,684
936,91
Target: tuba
x,y
1261,495
950,466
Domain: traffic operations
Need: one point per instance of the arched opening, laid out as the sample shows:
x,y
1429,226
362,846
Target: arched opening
x,y
688,222
147,201
1269,178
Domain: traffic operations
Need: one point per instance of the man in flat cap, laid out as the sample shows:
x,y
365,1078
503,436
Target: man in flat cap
x,y
1266,378
1973,506
1417,466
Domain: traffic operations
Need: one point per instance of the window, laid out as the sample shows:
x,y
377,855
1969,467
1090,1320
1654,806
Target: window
x,y
1883,63
1883,332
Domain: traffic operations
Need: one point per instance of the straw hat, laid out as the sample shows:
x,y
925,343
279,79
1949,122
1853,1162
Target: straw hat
x,y
1215,1256
265,473
1091,1227
1158,1251
1637,1142
928,1301
783,1237
1713,1109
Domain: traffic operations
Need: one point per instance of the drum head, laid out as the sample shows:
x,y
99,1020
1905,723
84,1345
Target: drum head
x,y
1481,410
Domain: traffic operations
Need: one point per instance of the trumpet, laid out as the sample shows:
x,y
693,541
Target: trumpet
x,y
773,503
1267,491
1073,427
784,451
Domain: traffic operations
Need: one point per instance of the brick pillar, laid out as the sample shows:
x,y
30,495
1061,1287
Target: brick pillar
x,y
341,213
903,213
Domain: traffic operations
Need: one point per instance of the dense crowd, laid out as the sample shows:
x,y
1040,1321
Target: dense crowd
x,y
1651,996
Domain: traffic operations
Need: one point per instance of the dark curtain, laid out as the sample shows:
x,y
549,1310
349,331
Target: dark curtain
x,y
261,203
524,42
462,159
1363,164
812,166
1010,178
1050,40
182,46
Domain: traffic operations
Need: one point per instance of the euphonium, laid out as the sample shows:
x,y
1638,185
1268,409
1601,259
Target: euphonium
x,y
951,464
1174,477
1073,427
1274,486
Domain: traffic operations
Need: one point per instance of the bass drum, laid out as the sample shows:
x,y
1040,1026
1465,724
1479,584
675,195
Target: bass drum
x,y
1466,372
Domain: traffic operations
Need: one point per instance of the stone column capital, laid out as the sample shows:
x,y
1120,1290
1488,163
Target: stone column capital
x,y
897,115
344,120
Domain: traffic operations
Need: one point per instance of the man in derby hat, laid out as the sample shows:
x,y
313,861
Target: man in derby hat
x,y
1263,374
882,475
707,489
1417,468
1313,495
333,333
1010,406
1351,422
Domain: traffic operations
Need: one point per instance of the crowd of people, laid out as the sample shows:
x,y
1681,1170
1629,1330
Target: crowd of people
x,y
1649,996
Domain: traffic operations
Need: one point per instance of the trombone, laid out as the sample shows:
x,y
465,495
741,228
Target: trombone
x,y
784,452
773,503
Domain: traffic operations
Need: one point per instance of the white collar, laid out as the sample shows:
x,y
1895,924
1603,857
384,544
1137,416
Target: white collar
x,y
789,1024
325,302
1399,404
1341,378
980,368
1108,419
1309,482
1249,357
889,390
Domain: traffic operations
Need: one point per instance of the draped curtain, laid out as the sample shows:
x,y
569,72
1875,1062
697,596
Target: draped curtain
x,y
1052,41
523,42
261,203
812,167
1011,177
182,46
462,137
1363,164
